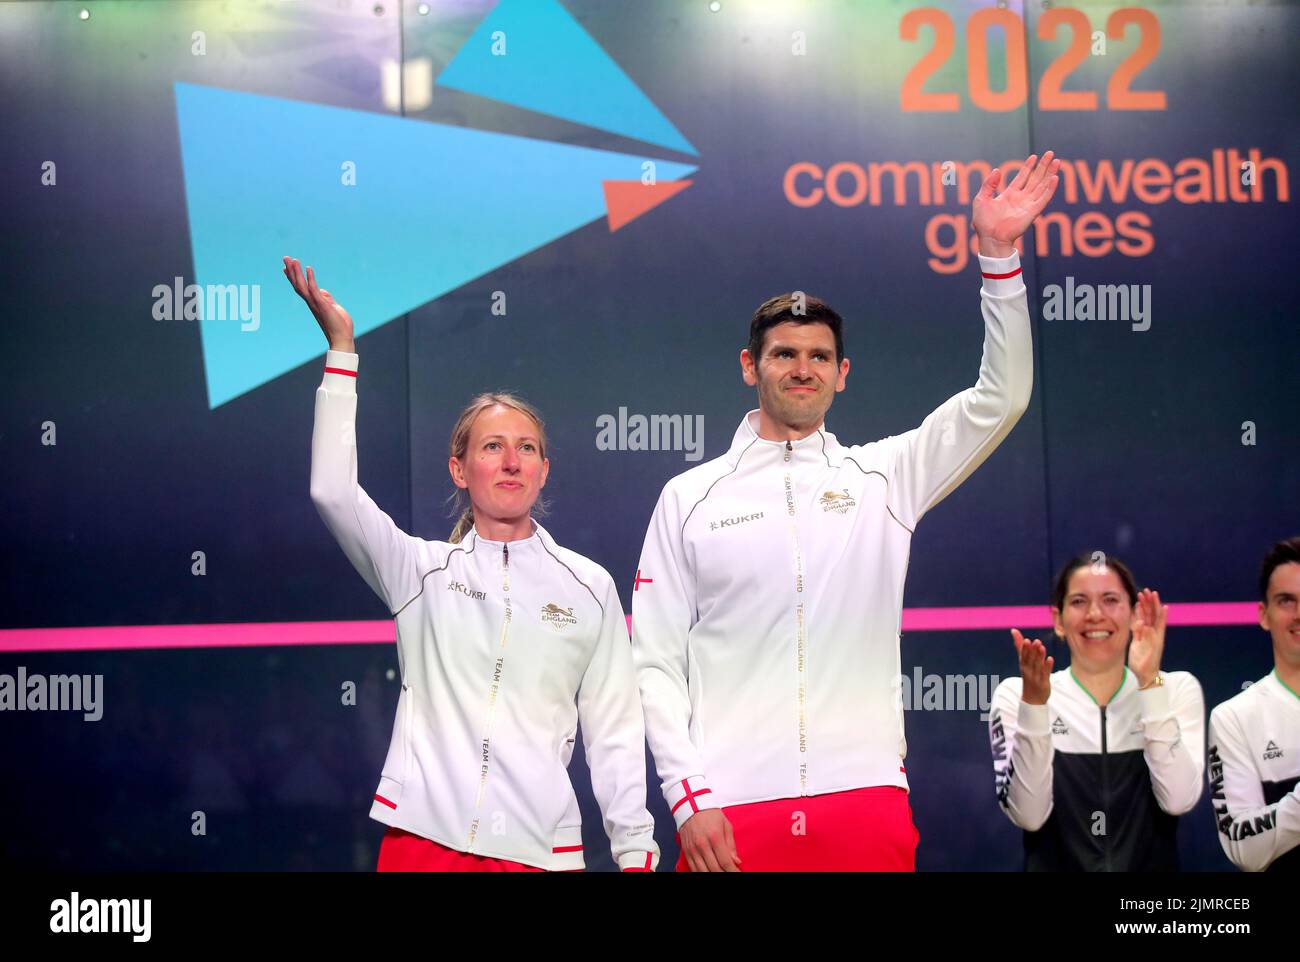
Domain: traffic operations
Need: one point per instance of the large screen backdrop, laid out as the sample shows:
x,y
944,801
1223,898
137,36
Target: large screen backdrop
x,y
584,201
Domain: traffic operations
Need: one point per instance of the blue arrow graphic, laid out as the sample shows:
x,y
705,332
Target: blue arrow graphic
x,y
553,66
433,207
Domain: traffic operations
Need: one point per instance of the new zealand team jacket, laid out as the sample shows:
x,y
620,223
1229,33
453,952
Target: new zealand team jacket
x,y
1254,769
504,648
1098,788
767,609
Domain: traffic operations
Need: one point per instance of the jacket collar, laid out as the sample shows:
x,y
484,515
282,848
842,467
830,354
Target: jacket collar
x,y
539,541
820,447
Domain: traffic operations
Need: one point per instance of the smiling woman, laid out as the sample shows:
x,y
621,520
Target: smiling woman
x,y
1097,761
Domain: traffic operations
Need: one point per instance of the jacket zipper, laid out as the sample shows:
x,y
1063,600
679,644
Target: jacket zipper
x,y
801,633
492,696
1105,793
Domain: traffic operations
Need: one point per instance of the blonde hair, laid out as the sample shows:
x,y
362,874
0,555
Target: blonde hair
x,y
460,447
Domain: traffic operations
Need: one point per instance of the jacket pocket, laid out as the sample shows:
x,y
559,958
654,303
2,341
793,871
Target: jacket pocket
x,y
566,848
397,764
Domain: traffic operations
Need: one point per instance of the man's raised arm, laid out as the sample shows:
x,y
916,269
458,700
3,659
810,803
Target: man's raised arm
x,y
955,439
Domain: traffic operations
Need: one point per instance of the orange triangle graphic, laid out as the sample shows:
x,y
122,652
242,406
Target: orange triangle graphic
x,y
626,200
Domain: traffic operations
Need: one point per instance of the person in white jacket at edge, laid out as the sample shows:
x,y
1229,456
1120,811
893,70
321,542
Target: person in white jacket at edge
x,y
768,602
505,641
1255,736
1097,761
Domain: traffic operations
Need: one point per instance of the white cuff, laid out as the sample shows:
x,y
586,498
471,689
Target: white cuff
x,y
1033,720
1002,276
688,796
1155,703
637,862
340,372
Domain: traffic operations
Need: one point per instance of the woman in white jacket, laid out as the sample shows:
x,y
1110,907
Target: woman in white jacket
x,y
505,640
1097,761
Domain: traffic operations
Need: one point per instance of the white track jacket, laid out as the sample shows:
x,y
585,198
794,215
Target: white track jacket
x,y
504,648
768,604
1254,772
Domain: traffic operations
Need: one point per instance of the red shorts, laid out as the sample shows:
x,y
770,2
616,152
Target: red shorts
x,y
862,830
403,852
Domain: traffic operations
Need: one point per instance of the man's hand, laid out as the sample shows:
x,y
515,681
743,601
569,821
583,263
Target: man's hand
x,y
1035,669
707,842
1000,221
329,313
1148,642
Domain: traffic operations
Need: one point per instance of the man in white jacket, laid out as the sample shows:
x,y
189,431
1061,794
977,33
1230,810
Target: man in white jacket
x,y
1255,736
768,603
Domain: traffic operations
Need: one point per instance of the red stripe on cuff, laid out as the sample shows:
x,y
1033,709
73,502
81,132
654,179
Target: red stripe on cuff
x,y
566,848
380,798
996,277
343,370
649,859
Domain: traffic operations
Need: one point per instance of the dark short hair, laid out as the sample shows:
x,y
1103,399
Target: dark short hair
x,y
779,309
1084,561
1284,552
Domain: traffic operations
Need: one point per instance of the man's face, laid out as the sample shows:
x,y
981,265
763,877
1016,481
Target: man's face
x,y
797,376
1280,615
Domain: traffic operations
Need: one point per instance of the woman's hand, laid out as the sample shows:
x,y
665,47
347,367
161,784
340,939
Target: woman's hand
x,y
1000,221
1035,669
1148,643
329,313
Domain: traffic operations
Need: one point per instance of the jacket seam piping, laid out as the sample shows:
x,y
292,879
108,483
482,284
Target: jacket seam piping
x,y
865,471
442,567
575,577
735,468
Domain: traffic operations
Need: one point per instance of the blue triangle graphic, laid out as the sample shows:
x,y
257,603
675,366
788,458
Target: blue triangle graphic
x,y
434,206
553,66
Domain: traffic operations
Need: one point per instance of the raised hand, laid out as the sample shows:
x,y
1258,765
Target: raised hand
x,y
334,321
1148,644
1000,220
1035,669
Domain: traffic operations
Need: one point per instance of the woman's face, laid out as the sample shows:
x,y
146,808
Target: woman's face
x,y
503,467
1094,618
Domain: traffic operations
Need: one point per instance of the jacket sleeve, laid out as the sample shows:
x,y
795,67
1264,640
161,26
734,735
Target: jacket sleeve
x,y
663,612
1021,738
1252,833
930,461
613,738
385,556
1173,721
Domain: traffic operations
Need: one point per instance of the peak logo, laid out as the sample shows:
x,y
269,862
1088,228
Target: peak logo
x,y
402,211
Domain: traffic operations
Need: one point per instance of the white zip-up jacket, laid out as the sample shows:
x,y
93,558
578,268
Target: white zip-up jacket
x,y
1254,772
768,604
1138,761
504,648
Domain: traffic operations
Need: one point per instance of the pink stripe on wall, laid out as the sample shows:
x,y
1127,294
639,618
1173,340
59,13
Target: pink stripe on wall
x,y
253,634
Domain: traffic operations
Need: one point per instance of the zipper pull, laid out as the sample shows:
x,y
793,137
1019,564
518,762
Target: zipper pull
x,y
505,555
788,449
